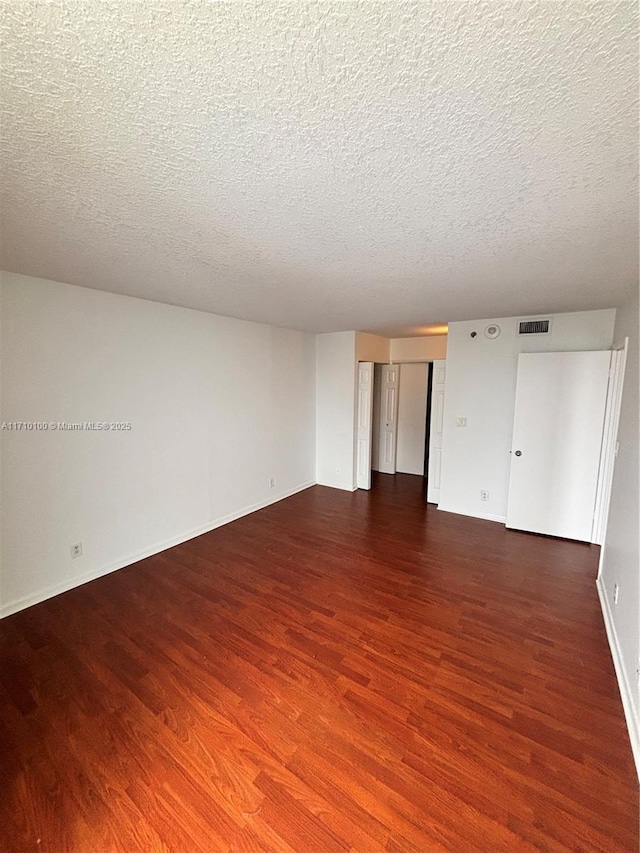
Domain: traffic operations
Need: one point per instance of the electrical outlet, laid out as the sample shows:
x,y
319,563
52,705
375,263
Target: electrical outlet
x,y
76,550
484,495
272,483
616,590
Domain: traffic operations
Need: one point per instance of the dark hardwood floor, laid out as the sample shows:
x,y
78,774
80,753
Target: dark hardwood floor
x,y
338,672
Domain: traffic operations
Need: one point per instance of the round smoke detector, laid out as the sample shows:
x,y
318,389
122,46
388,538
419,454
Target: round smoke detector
x,y
492,332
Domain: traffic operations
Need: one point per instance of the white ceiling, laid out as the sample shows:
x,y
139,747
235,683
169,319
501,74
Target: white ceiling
x,y
325,165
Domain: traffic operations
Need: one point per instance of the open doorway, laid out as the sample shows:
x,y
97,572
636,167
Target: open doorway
x,y
405,422
412,448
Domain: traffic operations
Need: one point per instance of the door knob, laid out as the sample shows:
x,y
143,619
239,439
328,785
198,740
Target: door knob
x,y
518,453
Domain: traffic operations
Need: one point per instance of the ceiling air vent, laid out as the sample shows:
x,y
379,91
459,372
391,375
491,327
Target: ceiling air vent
x,y
534,327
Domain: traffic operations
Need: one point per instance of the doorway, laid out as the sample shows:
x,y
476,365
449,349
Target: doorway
x,y
412,418
402,435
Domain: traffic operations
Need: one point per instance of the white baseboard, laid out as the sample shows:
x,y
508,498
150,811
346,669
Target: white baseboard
x,y
486,516
344,487
630,709
64,586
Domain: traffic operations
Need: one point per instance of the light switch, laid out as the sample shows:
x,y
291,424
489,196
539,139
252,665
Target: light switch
x,y
461,422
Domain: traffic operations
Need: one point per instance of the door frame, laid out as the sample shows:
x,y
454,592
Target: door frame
x,y
609,449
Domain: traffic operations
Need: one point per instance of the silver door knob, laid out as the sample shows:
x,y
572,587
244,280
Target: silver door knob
x,y
518,453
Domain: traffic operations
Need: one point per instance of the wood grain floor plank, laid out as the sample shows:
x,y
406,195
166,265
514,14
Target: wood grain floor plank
x,y
338,672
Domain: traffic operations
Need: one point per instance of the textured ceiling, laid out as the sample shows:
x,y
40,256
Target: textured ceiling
x,y
328,165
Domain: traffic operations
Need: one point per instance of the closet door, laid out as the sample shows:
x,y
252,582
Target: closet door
x,y
365,424
390,375
435,431
557,439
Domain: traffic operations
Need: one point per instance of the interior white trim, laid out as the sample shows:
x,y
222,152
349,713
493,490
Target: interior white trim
x,y
609,441
343,487
630,709
56,589
486,516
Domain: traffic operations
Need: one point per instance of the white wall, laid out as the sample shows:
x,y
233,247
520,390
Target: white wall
x,y
217,407
620,562
412,414
481,383
335,409
372,348
425,348
386,350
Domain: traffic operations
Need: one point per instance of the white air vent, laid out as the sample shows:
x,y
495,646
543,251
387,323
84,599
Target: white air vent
x,y
534,327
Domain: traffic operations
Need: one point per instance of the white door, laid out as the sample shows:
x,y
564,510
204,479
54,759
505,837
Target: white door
x,y
388,418
436,429
365,420
557,435
377,417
